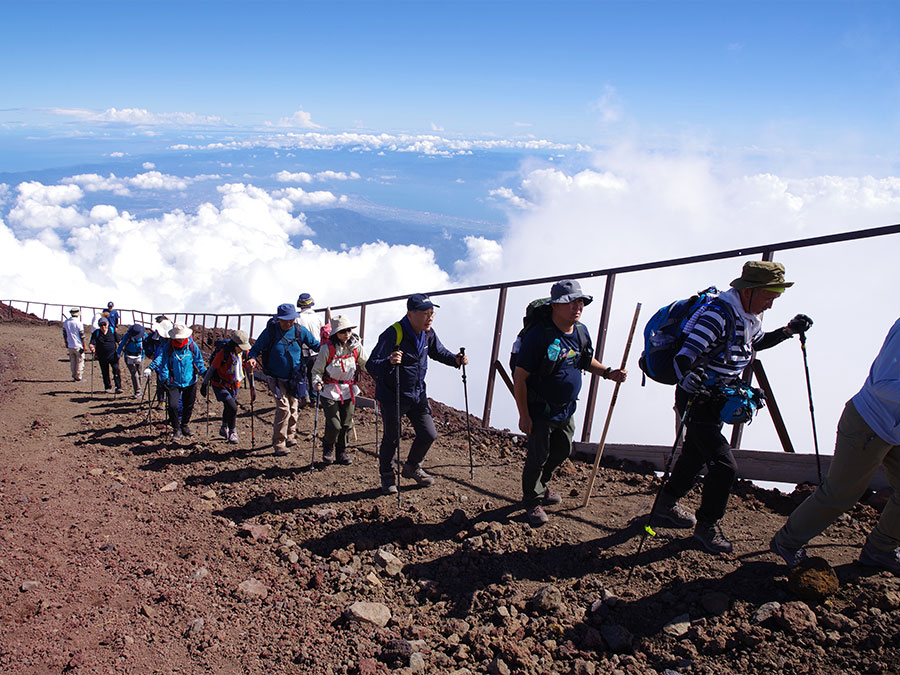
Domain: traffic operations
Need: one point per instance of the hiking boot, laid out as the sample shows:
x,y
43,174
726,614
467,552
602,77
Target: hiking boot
x,y
550,498
388,484
418,474
876,557
138,394
281,452
711,538
328,455
108,391
791,556
186,430
233,437
223,431
343,457
177,435
290,443
536,516
669,513
118,390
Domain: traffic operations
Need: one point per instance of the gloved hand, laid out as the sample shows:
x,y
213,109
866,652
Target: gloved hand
x,y
204,389
147,372
799,324
692,382
81,351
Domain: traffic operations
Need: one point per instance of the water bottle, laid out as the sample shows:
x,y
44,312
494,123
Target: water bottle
x,y
553,350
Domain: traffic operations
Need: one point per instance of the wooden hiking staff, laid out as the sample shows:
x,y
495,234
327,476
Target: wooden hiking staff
x,y
612,404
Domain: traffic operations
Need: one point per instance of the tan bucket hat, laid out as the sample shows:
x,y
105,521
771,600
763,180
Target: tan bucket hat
x,y
180,331
762,274
339,323
241,339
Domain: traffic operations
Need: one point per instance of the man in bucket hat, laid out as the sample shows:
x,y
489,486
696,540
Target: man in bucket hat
x,y
407,345
280,346
178,364
73,336
546,383
715,352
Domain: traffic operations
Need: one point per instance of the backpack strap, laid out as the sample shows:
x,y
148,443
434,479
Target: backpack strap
x,y
399,330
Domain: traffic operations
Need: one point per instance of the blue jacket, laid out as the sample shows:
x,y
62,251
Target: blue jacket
x,y
283,350
416,352
179,367
878,402
131,345
113,319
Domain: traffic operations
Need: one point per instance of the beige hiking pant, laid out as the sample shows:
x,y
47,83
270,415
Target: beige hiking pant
x,y
76,362
858,453
285,425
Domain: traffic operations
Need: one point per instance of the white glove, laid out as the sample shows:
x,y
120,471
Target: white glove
x,y
147,372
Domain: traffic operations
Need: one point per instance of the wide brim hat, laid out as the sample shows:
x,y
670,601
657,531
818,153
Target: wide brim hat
x,y
286,312
180,332
241,339
339,323
568,290
163,327
762,274
75,311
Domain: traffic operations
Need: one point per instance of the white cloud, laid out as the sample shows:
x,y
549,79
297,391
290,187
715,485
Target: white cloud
x,y
298,177
435,127
148,165
38,207
304,198
337,175
117,155
608,106
300,119
151,180
511,198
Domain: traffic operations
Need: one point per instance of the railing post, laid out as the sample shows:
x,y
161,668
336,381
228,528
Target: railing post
x,y
362,323
598,354
27,305
495,352
44,313
252,319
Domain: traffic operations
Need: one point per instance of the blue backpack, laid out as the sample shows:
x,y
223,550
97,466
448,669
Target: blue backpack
x,y
665,332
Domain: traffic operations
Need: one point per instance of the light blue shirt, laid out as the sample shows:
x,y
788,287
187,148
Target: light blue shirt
x,y
878,402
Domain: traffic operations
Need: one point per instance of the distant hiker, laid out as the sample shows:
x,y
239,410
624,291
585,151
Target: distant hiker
x,y
178,363
228,368
546,383
868,436
334,376
113,317
720,344
280,348
407,345
73,337
103,346
309,319
132,345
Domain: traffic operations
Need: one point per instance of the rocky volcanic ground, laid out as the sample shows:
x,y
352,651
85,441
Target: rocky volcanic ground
x,y
120,552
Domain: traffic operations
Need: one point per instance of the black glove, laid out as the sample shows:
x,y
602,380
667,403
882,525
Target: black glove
x,y
799,324
204,388
692,382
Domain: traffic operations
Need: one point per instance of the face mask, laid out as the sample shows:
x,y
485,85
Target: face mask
x,y
178,344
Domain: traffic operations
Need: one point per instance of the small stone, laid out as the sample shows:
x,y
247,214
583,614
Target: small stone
x,y
888,600
29,586
766,612
195,626
548,600
209,494
96,472
256,532
251,589
367,666
149,611
373,579
678,626
326,514
390,563
369,612
128,640
796,617
169,487
498,667
200,573
417,662
582,667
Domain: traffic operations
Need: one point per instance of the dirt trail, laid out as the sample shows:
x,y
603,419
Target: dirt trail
x,y
249,564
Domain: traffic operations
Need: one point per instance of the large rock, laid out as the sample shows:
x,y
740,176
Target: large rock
x,y
796,617
814,580
766,612
369,612
548,600
678,626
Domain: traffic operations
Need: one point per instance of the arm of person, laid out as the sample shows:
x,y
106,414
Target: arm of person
x,y
520,393
607,372
307,338
318,369
379,363
362,357
122,343
440,353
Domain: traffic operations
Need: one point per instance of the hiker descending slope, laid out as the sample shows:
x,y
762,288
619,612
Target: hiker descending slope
x,y
554,348
132,345
401,356
227,369
868,436
113,316
309,319
280,347
334,376
103,346
178,363
716,349
73,336
153,344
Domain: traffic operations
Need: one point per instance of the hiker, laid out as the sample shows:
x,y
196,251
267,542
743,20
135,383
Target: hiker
x,y
717,348
405,347
132,345
868,436
153,343
546,382
103,346
178,362
334,377
73,337
113,316
311,320
227,370
280,347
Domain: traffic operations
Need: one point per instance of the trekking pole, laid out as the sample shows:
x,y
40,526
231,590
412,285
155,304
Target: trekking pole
x,y
612,405
92,375
376,427
648,529
462,351
252,414
149,407
812,413
397,402
207,414
312,452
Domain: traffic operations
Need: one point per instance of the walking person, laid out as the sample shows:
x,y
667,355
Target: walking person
x,y
868,436
334,376
405,347
178,364
113,316
718,347
227,370
153,343
309,319
103,346
132,346
280,347
73,337
546,382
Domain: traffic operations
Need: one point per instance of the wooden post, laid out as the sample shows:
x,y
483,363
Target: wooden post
x,y
495,352
772,405
605,311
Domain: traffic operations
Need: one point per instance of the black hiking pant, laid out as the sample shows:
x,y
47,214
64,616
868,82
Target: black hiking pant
x,y
186,396
105,365
228,399
419,415
704,444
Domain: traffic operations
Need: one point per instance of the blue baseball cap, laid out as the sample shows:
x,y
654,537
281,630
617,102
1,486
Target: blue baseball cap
x,y
419,302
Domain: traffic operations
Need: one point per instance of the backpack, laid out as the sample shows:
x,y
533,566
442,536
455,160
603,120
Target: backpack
x,y
539,312
666,330
332,350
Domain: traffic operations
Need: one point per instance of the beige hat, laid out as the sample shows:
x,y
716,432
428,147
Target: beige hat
x,y
241,339
180,331
339,323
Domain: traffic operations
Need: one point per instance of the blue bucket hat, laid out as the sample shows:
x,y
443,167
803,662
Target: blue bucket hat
x,y
305,301
286,312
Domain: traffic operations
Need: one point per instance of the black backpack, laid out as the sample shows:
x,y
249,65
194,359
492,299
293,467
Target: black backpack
x,y
539,312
